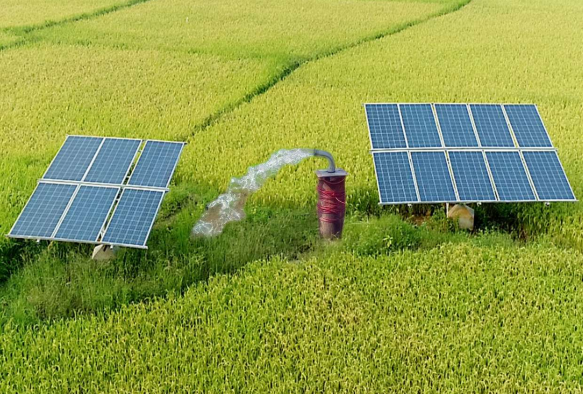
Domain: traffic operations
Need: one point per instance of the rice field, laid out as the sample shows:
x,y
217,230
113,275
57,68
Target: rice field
x,y
396,306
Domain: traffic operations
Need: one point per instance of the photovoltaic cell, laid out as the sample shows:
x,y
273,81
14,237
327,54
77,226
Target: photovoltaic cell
x,y
420,127
548,176
113,161
74,158
527,126
87,214
156,164
451,148
471,176
385,127
456,125
394,177
43,211
433,177
491,125
509,176
133,218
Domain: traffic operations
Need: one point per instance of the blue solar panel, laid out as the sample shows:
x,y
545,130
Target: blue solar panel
x,y
133,217
509,176
74,158
527,126
87,214
433,178
491,125
394,178
420,127
471,176
385,127
43,211
548,176
456,125
113,161
156,164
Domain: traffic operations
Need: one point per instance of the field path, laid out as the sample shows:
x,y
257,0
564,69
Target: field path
x,y
22,31
290,69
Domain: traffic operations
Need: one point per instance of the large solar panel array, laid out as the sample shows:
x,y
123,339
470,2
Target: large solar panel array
x,y
88,194
436,153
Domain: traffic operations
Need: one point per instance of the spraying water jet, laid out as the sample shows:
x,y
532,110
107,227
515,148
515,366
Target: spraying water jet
x,y
229,206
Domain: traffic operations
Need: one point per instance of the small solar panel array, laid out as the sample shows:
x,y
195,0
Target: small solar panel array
x,y
88,194
436,153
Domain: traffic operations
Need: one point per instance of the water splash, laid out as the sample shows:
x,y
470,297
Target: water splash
x,y
229,207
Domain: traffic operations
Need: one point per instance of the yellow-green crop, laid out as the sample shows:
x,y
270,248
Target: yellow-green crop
x,y
268,307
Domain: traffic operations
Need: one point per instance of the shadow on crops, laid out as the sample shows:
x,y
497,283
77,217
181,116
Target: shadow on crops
x,y
61,280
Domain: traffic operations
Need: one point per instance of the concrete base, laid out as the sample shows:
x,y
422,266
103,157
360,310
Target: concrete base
x,y
464,216
103,253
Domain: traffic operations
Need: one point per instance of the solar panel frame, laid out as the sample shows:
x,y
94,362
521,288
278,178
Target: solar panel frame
x,y
526,135
412,173
55,159
484,149
20,216
370,133
449,173
129,166
445,107
525,169
562,173
115,210
64,217
458,176
408,135
170,175
485,133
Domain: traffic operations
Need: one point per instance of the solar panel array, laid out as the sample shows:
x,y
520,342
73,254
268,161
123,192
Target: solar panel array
x,y
88,194
435,153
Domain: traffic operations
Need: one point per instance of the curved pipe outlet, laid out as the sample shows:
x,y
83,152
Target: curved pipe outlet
x,y
327,155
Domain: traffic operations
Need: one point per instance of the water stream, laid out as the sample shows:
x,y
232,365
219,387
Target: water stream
x,y
230,206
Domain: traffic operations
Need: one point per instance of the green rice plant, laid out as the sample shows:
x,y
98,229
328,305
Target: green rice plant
x,y
49,91
458,318
17,14
7,39
288,30
490,51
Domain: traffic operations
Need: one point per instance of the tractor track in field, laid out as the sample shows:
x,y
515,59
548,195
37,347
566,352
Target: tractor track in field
x,y
23,31
294,66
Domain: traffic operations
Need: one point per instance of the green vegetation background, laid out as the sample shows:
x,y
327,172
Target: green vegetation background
x,y
268,306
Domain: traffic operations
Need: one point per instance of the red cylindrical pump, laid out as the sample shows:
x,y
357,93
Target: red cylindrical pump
x,y
331,202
